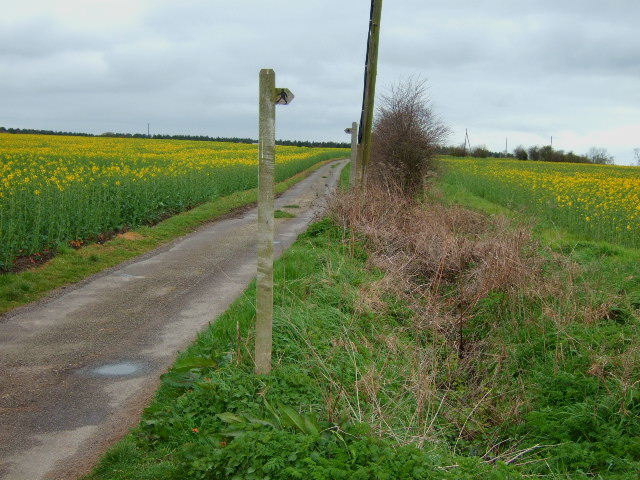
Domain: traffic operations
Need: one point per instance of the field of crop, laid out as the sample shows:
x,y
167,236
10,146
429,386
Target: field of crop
x,y
600,202
57,189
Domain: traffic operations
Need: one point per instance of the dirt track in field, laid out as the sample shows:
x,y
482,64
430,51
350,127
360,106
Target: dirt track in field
x,y
79,367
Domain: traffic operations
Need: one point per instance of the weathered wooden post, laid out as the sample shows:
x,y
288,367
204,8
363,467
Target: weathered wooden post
x,y
370,74
269,97
354,153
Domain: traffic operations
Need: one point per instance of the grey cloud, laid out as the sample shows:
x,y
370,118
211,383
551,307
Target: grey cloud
x,y
494,66
38,37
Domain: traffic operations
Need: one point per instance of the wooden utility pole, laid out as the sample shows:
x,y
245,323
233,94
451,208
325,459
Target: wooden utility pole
x,y
354,153
270,96
368,98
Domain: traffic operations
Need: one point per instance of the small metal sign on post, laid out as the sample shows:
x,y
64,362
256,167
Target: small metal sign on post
x,y
270,96
354,153
283,96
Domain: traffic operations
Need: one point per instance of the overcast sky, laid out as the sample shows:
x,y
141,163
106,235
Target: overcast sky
x,y
525,69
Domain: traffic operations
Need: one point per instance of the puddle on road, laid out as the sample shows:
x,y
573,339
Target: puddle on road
x,y
117,369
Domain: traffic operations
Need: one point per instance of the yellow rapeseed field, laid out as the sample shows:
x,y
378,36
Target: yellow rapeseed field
x,y
601,201
56,189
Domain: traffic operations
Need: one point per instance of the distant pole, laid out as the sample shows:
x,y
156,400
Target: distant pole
x,y
466,142
264,279
551,141
506,146
368,98
354,153
148,130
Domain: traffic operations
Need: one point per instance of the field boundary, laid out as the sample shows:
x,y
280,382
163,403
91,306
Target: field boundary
x,y
555,236
73,266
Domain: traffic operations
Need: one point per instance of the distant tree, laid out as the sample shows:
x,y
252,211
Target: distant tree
x,y
534,153
520,153
600,156
457,150
573,158
546,153
480,151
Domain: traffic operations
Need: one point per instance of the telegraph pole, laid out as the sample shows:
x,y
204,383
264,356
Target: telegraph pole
x,y
368,98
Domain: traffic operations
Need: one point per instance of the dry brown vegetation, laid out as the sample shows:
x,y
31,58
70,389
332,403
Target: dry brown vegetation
x,y
476,291
446,258
442,262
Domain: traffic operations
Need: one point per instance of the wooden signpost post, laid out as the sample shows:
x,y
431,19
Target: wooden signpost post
x,y
270,96
354,153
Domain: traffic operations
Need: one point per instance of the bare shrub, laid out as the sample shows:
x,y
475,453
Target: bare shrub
x,y
441,261
407,135
600,156
436,243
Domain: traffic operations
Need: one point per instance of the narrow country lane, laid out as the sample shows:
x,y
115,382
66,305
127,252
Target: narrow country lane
x,y
79,367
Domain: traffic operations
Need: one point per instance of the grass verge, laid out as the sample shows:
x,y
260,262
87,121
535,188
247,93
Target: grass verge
x,y
214,418
71,265
575,356
395,359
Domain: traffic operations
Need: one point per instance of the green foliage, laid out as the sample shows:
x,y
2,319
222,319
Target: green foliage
x,y
594,202
549,390
111,193
214,418
284,455
579,374
71,265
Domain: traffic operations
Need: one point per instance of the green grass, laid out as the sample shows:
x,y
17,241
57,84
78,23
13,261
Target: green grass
x,y
213,418
552,385
70,266
576,356
345,177
597,202
283,214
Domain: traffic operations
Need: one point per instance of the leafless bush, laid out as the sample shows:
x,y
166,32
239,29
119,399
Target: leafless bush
x,y
406,138
431,244
442,261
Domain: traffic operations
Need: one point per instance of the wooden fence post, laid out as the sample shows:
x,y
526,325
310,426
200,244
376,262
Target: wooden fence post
x,y
354,155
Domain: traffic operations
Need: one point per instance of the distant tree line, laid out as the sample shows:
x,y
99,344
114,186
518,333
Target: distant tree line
x,y
202,138
542,154
479,151
43,132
